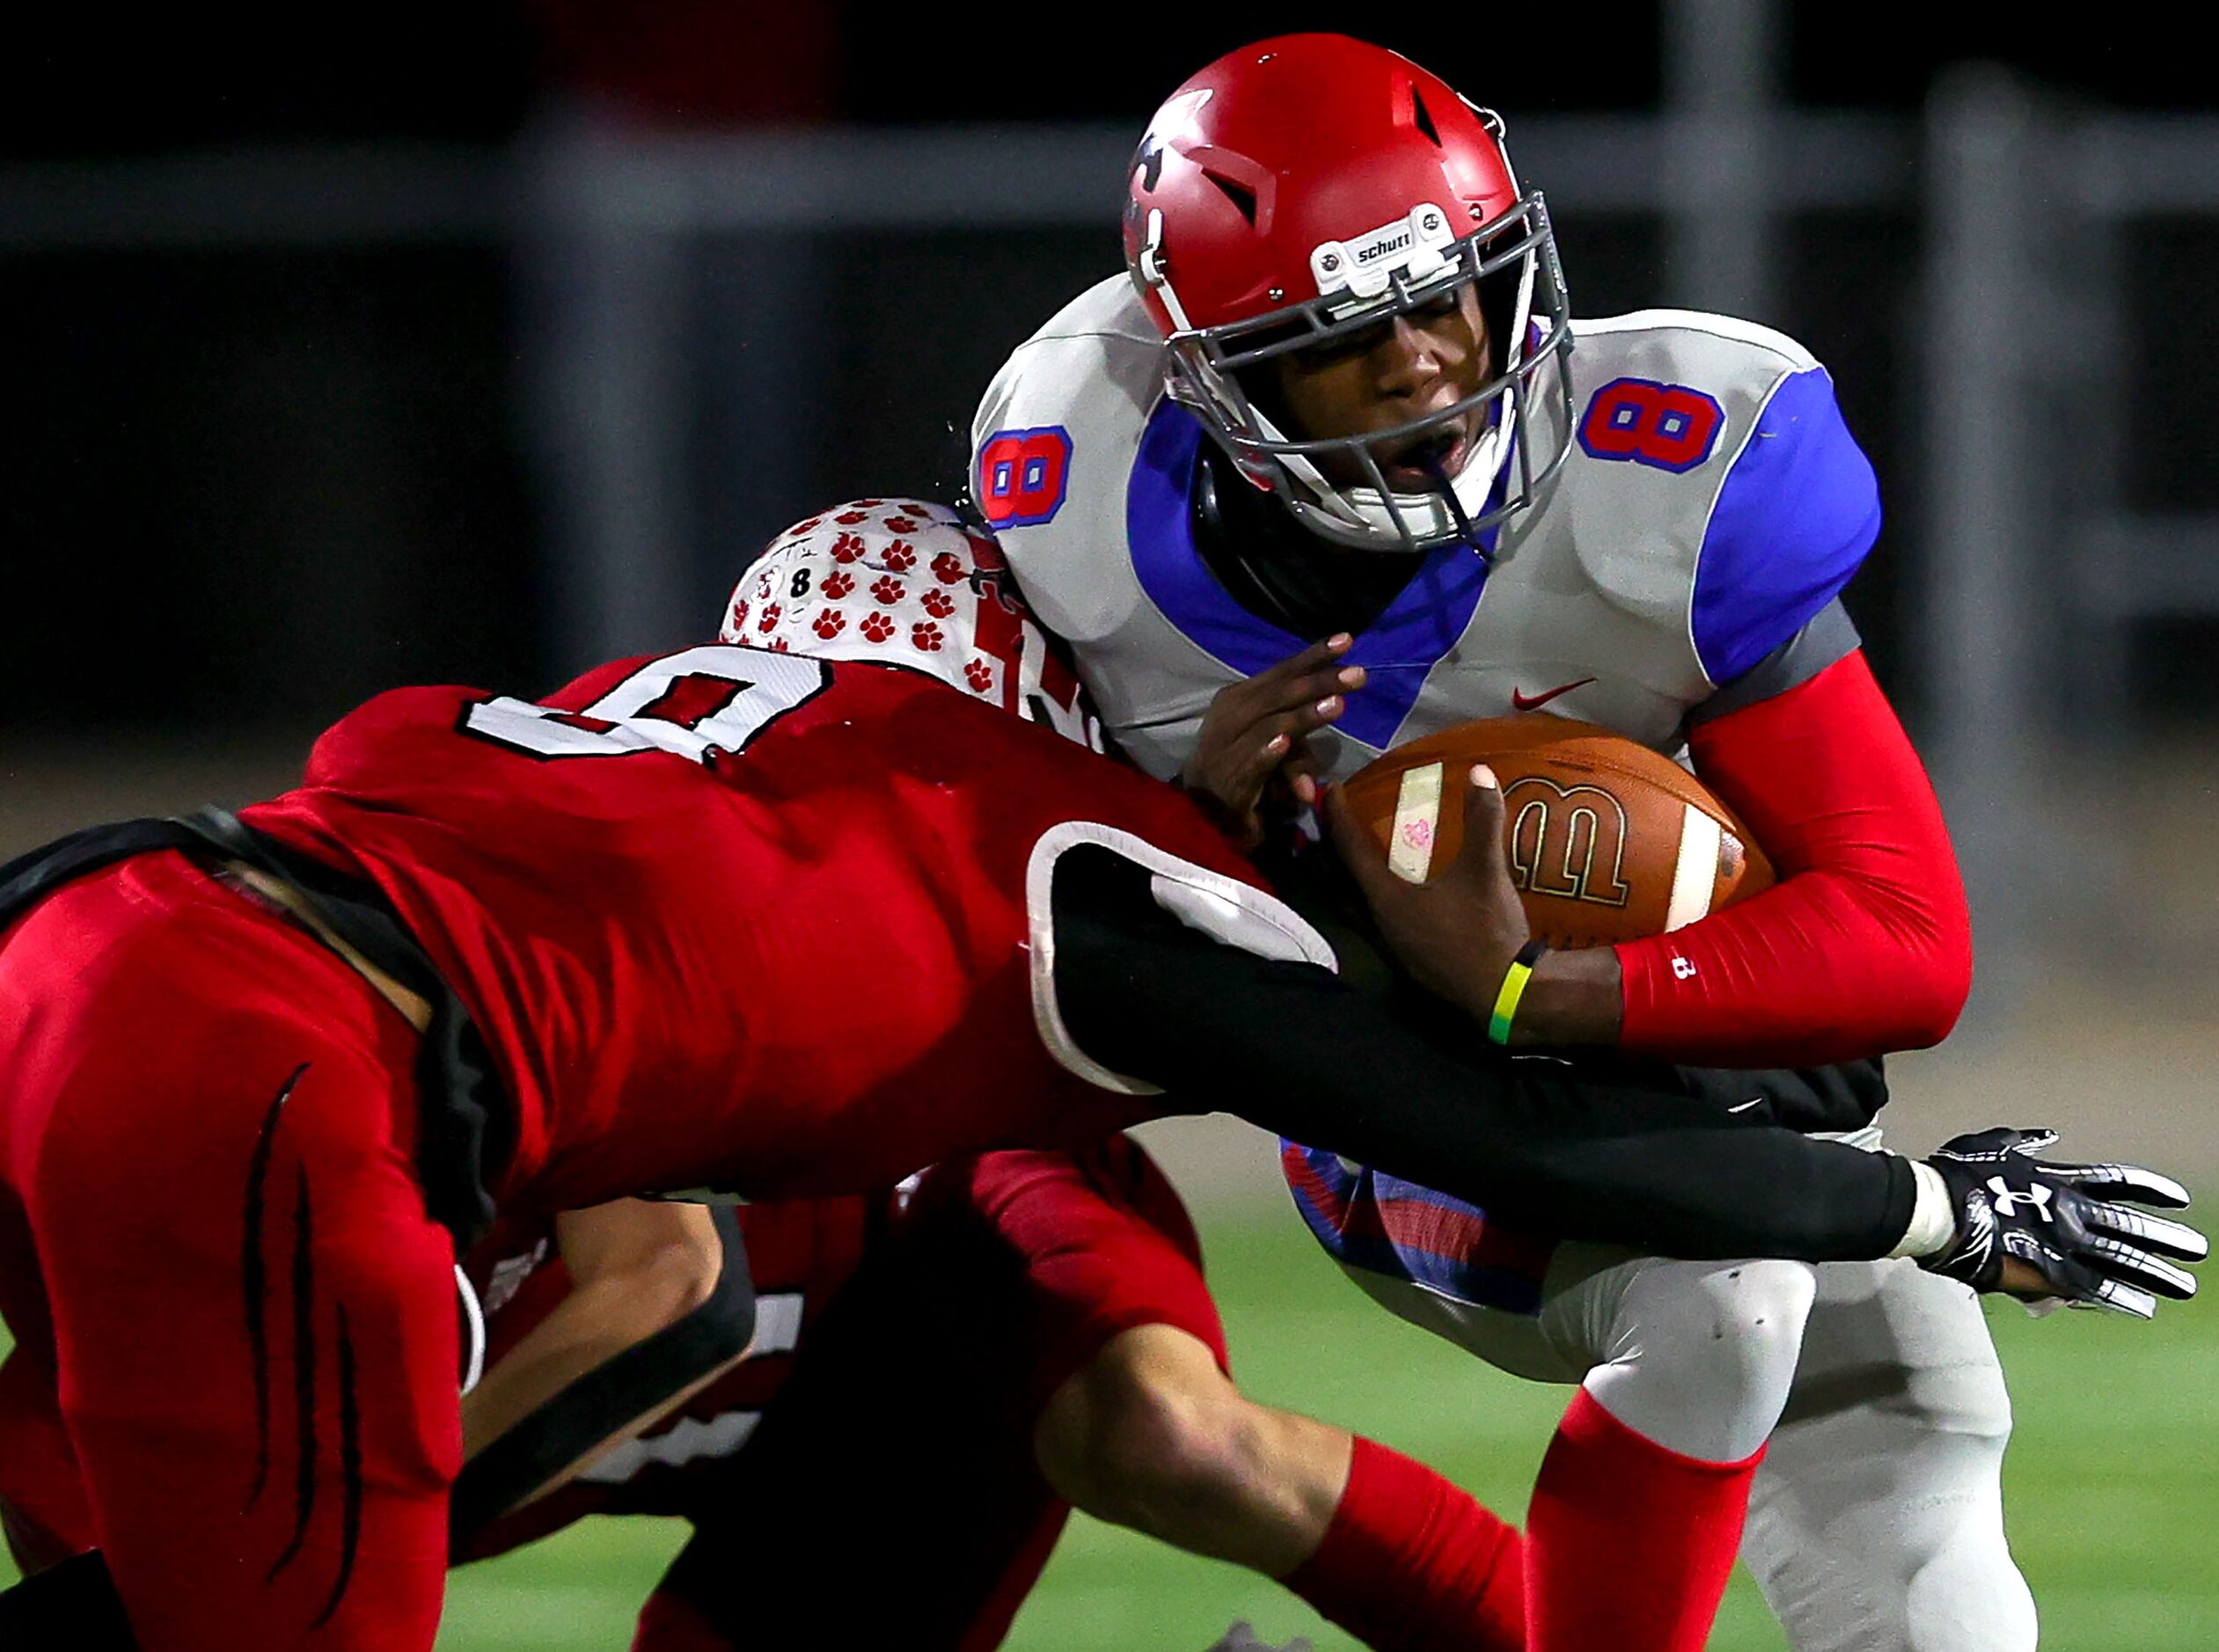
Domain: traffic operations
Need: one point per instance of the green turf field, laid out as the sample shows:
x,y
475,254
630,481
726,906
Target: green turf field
x,y
2114,1481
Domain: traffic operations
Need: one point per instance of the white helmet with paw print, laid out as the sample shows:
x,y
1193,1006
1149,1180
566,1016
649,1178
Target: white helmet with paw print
x,y
908,583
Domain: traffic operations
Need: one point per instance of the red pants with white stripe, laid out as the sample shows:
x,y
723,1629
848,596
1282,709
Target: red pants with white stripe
x,y
237,1348
890,1495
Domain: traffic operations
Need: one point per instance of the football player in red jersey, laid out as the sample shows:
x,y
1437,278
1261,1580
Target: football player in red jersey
x,y
739,917
1065,1351
1019,1332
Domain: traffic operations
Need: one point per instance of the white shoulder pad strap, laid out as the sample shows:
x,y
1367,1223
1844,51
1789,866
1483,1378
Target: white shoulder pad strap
x,y
1224,908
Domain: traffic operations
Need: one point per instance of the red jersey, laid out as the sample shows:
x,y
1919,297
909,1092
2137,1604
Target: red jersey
x,y
800,1252
985,1282
733,917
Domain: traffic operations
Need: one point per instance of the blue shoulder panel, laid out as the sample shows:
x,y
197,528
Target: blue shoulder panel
x,y
1403,644
1791,524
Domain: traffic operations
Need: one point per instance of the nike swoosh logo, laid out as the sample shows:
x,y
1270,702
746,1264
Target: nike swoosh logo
x,y
1753,1101
1535,702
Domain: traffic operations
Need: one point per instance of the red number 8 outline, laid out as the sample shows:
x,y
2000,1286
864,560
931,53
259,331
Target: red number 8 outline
x,y
1667,426
1022,475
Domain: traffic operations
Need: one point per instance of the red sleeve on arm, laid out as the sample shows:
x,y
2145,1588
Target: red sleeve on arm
x,y
1864,946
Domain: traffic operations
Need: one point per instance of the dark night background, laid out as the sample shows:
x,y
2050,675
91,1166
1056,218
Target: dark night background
x,y
247,486
247,480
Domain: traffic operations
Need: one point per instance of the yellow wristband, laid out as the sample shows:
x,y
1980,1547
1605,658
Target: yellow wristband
x,y
1514,980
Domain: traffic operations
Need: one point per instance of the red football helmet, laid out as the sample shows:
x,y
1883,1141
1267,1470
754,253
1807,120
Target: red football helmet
x,y
1304,188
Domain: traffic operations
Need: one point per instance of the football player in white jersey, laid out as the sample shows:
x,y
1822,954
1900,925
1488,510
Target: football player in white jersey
x,y
1323,472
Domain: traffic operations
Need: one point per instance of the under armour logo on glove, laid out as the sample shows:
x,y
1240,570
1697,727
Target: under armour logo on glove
x,y
2008,1199
2064,1222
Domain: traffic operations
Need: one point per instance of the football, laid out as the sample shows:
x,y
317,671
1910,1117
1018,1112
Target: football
x,y
1608,840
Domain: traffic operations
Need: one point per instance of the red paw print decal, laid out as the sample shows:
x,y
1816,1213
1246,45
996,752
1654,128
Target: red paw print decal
x,y
887,589
980,676
869,504
837,585
848,548
902,524
926,636
877,627
739,615
801,528
939,604
829,624
948,568
901,556
768,620
779,645
849,518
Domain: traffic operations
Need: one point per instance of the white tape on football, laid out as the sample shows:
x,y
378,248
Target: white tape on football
x,y
1695,875
1418,822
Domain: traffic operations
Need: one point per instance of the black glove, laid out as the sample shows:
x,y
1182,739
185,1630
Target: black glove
x,y
2059,1220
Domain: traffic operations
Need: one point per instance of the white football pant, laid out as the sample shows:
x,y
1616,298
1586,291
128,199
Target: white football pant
x,y
1876,1521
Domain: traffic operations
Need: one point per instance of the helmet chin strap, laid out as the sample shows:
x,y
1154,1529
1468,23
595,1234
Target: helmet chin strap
x,y
1446,486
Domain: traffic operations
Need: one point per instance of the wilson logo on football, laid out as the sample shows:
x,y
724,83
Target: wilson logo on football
x,y
1567,842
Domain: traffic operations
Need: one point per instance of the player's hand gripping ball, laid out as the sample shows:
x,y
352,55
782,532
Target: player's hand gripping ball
x,y
1608,841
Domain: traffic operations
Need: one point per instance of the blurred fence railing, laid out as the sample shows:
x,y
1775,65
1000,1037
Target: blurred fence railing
x,y
2022,313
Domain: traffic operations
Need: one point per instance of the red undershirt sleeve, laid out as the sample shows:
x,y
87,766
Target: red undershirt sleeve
x,y
1864,946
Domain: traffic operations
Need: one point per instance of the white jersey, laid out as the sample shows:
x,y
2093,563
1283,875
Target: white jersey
x,y
1712,507
1686,561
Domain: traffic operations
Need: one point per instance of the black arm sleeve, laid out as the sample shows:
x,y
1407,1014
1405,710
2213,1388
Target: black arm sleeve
x,y
1838,1098
1843,1097
1291,1048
